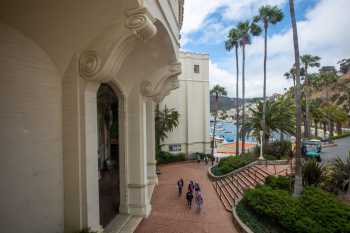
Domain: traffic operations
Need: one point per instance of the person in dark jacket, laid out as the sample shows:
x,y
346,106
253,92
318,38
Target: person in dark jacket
x,y
189,198
180,185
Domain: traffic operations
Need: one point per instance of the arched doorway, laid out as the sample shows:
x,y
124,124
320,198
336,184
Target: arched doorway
x,y
108,153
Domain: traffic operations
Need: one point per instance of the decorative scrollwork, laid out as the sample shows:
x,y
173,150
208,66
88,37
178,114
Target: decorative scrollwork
x,y
89,64
141,23
167,83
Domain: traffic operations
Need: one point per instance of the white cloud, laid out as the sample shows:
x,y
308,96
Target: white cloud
x,y
222,77
196,11
324,32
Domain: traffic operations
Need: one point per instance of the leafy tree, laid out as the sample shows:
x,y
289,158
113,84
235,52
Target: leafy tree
x,y
217,91
308,61
278,118
232,41
267,15
166,120
246,30
298,187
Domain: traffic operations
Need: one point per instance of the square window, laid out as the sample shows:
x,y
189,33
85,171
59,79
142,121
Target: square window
x,y
175,147
196,68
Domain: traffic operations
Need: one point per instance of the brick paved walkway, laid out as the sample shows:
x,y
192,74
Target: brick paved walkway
x,y
169,212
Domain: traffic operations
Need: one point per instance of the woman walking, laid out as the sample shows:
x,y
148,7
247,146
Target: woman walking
x,y
199,201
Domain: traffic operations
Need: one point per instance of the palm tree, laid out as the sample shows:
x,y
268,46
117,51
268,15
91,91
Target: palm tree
x,y
290,75
166,120
217,91
298,184
308,61
267,15
246,30
327,79
278,118
317,114
233,42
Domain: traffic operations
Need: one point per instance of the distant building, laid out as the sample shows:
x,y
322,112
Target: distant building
x,y
328,69
191,100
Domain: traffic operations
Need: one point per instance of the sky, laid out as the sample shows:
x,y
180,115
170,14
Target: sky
x,y
323,28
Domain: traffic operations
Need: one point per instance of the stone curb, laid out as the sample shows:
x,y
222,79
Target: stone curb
x,y
240,226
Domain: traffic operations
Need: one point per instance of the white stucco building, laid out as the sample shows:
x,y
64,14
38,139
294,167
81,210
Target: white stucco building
x,y
78,84
191,100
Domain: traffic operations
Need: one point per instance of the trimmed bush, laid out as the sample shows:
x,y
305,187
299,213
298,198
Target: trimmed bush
x,y
343,135
164,157
232,163
278,182
257,224
315,211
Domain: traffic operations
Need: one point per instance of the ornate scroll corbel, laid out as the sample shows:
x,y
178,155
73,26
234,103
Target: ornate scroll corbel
x,y
89,64
141,22
167,83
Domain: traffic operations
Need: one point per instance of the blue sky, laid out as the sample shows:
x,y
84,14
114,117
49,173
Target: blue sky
x,y
323,30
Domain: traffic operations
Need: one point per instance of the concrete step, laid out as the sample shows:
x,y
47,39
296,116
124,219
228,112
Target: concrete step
x,y
123,223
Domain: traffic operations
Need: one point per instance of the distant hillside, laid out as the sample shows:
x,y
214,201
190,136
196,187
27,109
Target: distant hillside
x,y
226,103
339,93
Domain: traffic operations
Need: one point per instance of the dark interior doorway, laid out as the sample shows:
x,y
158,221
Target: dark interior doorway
x,y
108,153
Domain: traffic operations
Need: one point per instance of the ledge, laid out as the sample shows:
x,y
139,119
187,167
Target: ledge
x,y
257,162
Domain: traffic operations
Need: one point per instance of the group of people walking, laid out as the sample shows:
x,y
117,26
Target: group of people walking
x,y
193,191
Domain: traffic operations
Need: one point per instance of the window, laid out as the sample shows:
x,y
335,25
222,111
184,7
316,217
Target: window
x,y
175,147
196,68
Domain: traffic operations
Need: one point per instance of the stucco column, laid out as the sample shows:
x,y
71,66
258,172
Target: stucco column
x,y
139,201
151,152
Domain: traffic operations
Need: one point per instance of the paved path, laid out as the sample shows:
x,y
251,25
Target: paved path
x,y
169,212
341,150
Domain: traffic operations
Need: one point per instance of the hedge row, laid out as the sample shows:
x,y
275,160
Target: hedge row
x,y
164,157
315,211
229,164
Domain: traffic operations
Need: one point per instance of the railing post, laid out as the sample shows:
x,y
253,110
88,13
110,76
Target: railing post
x,y
275,168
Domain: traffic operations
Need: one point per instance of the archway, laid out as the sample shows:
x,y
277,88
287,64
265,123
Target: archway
x,y
108,153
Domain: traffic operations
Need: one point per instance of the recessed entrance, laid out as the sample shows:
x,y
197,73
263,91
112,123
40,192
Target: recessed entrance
x,y
108,153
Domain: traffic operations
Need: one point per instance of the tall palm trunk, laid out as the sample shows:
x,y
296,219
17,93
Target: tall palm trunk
x,y
307,122
316,129
330,135
298,184
215,118
237,102
263,123
324,129
243,98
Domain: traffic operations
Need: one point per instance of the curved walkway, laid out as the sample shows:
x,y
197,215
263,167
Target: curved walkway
x,y
169,212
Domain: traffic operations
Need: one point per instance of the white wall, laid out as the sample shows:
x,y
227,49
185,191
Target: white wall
x,y
31,141
191,100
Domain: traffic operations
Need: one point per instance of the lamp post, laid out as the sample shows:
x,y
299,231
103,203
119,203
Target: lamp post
x,y
261,157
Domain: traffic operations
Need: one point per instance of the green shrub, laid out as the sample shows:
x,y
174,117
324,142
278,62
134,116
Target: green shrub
x,y
164,157
278,182
258,224
315,211
328,179
232,163
276,150
312,172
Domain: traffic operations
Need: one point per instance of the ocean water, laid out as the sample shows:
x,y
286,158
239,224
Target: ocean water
x,y
228,132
